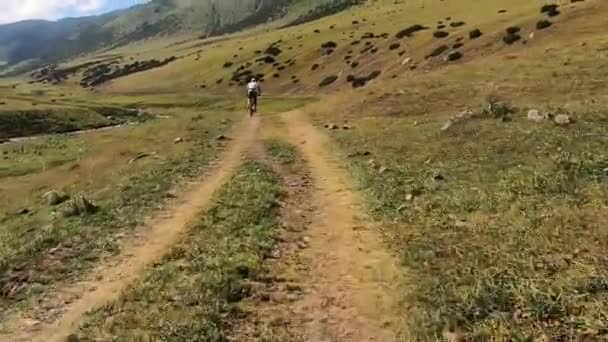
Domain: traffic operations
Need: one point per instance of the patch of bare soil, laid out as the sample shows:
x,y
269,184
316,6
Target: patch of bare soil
x,y
334,279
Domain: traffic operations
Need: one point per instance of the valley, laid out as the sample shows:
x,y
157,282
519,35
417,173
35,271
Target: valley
x,y
418,171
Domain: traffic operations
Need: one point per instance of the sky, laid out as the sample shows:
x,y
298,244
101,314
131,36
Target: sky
x,y
17,10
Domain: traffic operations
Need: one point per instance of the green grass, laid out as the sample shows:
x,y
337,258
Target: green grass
x,y
26,158
193,294
283,152
504,236
125,199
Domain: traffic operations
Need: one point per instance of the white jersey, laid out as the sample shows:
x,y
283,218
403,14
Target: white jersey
x,y
254,86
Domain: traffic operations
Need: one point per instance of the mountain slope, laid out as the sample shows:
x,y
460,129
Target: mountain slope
x,y
50,41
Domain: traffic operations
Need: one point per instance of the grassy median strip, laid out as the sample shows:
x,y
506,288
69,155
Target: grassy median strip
x,y
193,293
281,151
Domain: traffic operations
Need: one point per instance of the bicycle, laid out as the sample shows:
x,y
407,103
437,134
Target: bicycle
x,y
252,106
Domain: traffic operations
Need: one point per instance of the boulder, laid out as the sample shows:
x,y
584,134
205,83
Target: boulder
x,y
562,120
536,116
54,197
78,206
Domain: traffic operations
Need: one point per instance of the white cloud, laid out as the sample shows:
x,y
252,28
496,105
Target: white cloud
x,y
16,10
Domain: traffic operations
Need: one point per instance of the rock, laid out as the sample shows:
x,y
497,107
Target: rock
x,y
382,169
54,197
220,137
23,211
409,197
80,205
438,177
453,336
476,33
543,24
542,338
454,56
346,127
138,157
440,34
333,126
461,224
31,322
447,125
562,120
328,80
178,140
72,338
536,116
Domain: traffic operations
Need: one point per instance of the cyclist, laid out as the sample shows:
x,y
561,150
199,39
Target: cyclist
x,y
253,91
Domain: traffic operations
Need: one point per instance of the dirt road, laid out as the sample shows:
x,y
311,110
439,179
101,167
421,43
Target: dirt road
x,y
349,280
148,244
352,276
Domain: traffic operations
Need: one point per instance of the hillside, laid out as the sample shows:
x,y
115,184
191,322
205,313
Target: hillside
x,y
44,41
429,170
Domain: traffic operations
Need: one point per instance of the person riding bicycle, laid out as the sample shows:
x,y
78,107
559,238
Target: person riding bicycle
x,y
253,91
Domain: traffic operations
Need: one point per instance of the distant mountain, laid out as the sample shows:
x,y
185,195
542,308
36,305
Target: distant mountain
x,y
47,41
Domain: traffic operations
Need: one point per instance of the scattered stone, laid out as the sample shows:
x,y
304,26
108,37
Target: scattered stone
x,y
513,29
461,224
329,45
453,337
409,197
178,140
273,50
438,177
543,24
476,33
221,137
23,211
406,61
409,32
30,323
511,38
55,197
454,56
80,205
333,126
438,51
536,116
328,80
138,157
72,338
562,120
550,10
440,34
